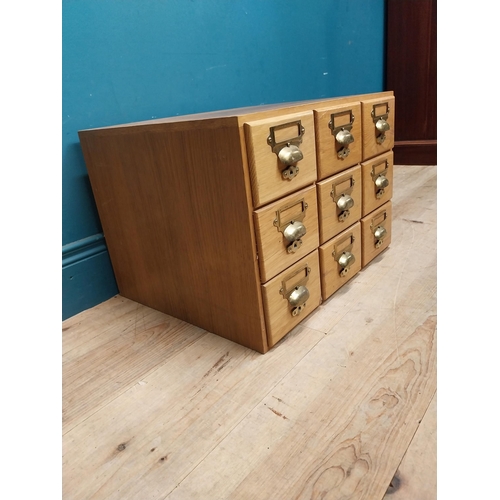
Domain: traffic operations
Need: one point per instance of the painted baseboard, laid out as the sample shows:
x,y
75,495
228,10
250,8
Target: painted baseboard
x,y
87,275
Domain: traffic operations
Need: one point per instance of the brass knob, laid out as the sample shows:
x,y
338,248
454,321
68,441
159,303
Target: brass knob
x,y
294,231
299,296
290,154
382,126
380,232
344,137
345,202
346,259
381,182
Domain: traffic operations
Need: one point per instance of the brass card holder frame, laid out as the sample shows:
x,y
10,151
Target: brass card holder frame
x,y
377,227
343,199
342,133
379,179
344,257
298,294
292,228
287,151
380,121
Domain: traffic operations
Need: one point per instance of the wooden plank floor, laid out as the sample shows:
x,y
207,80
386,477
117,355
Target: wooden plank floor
x,y
342,408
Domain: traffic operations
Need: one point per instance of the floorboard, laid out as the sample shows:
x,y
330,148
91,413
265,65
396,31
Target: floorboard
x,y
342,408
416,476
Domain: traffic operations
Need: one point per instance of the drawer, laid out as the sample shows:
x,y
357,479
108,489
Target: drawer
x,y
376,232
281,155
340,260
338,138
339,202
286,231
283,297
378,126
377,175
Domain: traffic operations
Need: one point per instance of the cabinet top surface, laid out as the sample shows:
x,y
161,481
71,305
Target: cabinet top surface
x,y
244,112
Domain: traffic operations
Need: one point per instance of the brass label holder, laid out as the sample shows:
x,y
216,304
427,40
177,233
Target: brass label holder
x,y
292,227
342,198
342,133
344,257
380,179
380,121
287,151
377,227
298,294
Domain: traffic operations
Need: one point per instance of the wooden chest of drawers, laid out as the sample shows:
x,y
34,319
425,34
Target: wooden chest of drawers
x,y
217,218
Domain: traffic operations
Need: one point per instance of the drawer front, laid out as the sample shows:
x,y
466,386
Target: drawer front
x,y
376,232
377,175
281,155
286,231
338,138
340,260
339,202
378,126
283,297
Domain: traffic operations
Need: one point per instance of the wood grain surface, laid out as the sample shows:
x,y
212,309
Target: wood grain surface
x,y
260,111
328,211
272,245
329,412
369,191
382,216
279,319
326,146
416,476
348,240
264,165
178,222
370,146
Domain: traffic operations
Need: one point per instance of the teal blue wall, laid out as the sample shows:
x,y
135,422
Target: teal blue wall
x,y
130,60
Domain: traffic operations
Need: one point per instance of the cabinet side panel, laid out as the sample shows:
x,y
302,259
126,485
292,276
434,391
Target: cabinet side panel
x,y
173,204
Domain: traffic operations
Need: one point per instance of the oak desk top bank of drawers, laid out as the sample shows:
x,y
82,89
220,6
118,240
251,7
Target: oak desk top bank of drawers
x,y
225,219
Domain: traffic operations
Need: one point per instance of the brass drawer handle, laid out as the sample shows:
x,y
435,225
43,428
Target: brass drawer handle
x,y
342,133
290,154
298,298
379,178
380,233
344,137
293,233
345,261
380,121
287,151
298,294
344,257
378,229
292,226
381,181
342,198
345,202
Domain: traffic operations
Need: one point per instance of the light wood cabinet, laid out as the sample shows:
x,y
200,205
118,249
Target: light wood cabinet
x,y
203,214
